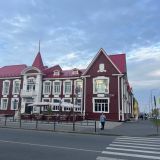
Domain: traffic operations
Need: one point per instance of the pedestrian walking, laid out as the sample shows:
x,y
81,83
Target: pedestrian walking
x,y
102,121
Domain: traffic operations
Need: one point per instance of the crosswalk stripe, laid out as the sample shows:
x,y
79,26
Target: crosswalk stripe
x,y
145,139
140,147
132,150
133,143
137,141
131,155
126,137
107,158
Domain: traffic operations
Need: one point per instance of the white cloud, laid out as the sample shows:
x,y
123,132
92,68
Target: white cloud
x,y
145,53
71,56
144,84
155,73
17,21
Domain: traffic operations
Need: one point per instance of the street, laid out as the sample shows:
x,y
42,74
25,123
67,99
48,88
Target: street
x,y
18,144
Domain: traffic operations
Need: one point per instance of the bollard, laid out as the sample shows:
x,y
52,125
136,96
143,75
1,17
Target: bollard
x,y
54,125
95,126
5,120
73,126
20,123
36,123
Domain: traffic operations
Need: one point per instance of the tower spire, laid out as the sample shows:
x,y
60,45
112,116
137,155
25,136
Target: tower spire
x,y
39,45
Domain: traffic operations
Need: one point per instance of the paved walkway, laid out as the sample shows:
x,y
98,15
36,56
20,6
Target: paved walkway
x,y
130,128
134,128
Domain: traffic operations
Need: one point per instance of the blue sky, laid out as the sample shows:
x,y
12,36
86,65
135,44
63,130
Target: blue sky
x,y
72,32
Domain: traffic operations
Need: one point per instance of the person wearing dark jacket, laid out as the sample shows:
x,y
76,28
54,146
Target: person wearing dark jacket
x,y
102,121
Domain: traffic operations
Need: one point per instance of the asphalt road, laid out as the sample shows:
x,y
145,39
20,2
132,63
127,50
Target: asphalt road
x,y
18,144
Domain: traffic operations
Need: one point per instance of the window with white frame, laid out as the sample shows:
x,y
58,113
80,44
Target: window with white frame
x,y
56,87
31,84
101,105
45,108
16,86
67,87
56,73
6,85
56,102
78,103
14,103
4,103
74,72
46,87
68,100
78,87
101,85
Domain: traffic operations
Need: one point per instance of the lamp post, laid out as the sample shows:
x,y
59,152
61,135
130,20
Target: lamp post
x,y
76,94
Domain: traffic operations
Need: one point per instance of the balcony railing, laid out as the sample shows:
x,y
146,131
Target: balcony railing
x,y
25,93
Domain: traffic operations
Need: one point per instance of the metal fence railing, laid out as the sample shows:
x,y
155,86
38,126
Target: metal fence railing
x,y
89,126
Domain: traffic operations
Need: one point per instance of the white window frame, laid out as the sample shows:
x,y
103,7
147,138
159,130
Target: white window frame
x,y
48,93
4,86
56,73
45,108
13,89
67,98
56,107
2,107
79,93
75,72
56,93
43,99
66,93
75,109
93,102
100,78
31,89
12,103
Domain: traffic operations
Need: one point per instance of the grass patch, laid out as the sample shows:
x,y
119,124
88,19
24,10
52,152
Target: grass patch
x,y
156,121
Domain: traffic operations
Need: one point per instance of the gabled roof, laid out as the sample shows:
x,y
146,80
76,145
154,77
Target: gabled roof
x,y
101,51
12,70
38,62
120,61
51,69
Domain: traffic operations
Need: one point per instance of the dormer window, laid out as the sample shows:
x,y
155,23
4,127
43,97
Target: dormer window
x,y
75,71
56,73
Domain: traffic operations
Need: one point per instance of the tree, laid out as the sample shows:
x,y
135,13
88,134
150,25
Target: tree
x,y
155,112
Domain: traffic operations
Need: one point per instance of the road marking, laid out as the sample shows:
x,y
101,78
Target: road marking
x,y
132,150
127,137
50,146
132,143
141,147
131,155
137,141
107,158
133,138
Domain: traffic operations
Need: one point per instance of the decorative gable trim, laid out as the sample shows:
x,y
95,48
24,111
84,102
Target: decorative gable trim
x,y
31,68
94,59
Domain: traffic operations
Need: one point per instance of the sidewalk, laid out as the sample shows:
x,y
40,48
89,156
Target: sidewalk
x,y
134,128
130,128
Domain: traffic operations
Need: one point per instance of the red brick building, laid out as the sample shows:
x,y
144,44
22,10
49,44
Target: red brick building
x,y
101,87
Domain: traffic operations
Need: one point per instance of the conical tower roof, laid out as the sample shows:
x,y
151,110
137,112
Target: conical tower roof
x,y
38,63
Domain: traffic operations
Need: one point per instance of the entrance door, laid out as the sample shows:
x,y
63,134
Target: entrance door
x,y
28,109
